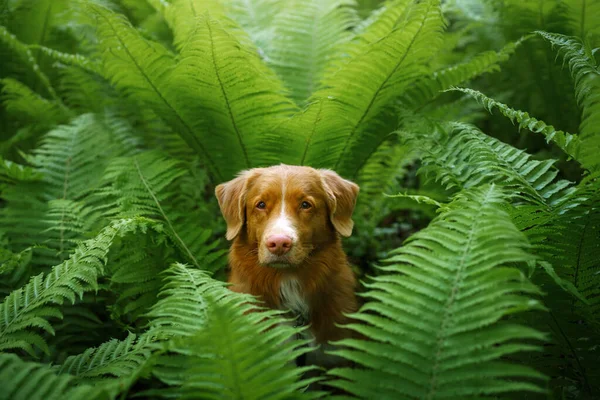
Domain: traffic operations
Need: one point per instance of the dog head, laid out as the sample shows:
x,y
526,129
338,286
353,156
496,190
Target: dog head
x,y
287,211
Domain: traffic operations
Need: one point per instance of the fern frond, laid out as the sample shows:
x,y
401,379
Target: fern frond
x,y
68,156
586,78
142,69
26,55
437,319
29,106
467,158
390,64
182,308
115,358
23,380
140,185
583,18
235,354
565,141
256,18
428,88
25,312
241,99
305,35
11,172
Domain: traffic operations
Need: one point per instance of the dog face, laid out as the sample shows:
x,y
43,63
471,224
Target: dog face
x,y
285,212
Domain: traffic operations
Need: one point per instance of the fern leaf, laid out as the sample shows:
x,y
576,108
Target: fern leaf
x,y
142,69
236,354
586,77
26,310
27,105
22,380
565,141
182,308
427,89
468,158
305,34
114,358
390,64
25,54
141,185
239,96
437,317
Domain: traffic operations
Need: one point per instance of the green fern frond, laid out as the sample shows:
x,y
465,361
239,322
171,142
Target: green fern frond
x,y
11,172
115,358
565,141
23,380
583,18
182,308
256,17
140,185
586,78
437,319
14,269
25,312
428,88
391,64
26,105
26,55
235,354
142,69
468,158
68,156
304,35
241,99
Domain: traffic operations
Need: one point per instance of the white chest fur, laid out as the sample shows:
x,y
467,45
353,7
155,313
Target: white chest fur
x,y
292,298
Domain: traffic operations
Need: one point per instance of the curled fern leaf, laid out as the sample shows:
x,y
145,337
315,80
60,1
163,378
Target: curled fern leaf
x,y
437,316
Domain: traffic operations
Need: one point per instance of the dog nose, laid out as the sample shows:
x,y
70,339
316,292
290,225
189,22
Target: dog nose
x,y
279,244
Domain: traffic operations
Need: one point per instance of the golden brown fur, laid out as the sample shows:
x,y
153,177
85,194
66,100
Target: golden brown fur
x,y
316,259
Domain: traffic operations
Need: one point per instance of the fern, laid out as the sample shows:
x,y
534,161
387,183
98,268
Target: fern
x,y
115,358
430,87
24,313
468,158
586,76
236,354
305,34
565,141
29,380
437,323
391,63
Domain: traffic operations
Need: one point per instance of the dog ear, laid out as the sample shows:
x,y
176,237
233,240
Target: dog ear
x,y
232,201
341,200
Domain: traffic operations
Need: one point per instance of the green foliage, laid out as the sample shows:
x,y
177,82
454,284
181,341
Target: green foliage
x,y
119,117
455,300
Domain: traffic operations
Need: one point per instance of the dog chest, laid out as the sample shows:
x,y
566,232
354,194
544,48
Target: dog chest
x,y
292,298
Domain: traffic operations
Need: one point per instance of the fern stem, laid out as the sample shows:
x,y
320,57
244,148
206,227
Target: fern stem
x,y
164,215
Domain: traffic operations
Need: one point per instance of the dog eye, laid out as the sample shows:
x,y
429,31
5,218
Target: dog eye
x,y
261,205
305,205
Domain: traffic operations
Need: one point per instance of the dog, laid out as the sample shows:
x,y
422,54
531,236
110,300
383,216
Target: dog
x,y
286,222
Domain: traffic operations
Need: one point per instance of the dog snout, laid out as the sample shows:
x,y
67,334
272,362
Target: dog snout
x,y
279,244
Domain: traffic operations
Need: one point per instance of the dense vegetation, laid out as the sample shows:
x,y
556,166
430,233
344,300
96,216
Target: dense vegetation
x,y
481,275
